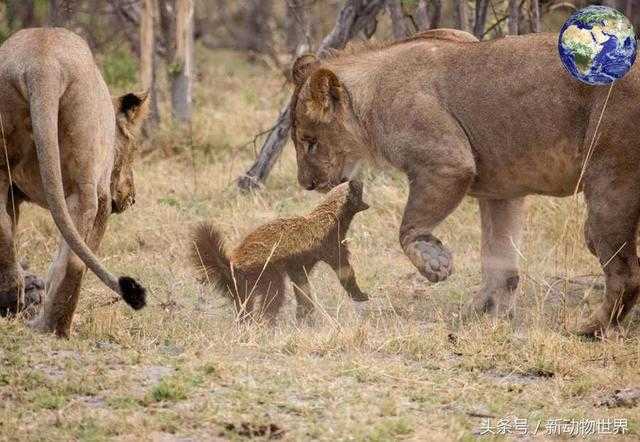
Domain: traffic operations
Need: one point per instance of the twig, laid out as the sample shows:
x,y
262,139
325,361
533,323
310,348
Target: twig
x,y
593,140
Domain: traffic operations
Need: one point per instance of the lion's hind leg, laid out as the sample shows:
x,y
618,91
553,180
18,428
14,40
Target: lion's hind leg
x,y
501,233
66,272
613,213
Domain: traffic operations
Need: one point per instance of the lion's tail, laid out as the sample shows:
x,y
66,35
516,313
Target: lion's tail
x,y
45,89
210,258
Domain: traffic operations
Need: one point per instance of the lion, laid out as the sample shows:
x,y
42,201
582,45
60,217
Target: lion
x,y
68,147
257,267
497,120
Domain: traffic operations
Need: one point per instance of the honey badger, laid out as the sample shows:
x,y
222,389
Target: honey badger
x,y
255,270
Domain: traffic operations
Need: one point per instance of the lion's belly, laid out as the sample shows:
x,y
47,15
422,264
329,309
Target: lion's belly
x,y
553,171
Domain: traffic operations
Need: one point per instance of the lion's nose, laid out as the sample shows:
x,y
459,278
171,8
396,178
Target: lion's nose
x,y
311,185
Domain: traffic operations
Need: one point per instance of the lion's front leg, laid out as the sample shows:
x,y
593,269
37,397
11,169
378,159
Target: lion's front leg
x,y
433,194
501,234
66,273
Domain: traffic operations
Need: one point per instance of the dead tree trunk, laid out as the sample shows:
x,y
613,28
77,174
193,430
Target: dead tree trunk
x,y
481,18
422,15
258,35
21,14
535,16
59,11
428,14
514,16
148,57
298,27
398,25
355,16
461,14
181,69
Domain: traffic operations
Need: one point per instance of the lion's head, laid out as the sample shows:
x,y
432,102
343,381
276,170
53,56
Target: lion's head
x,y
325,130
131,110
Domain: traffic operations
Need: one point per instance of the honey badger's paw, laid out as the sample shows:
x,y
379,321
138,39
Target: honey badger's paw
x,y
431,258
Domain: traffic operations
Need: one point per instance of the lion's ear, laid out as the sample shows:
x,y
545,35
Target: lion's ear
x,y
134,107
303,67
325,93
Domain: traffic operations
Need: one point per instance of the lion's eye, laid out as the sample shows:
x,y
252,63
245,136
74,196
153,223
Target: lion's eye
x,y
312,146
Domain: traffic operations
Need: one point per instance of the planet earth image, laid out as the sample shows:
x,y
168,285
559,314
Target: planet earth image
x,y
597,45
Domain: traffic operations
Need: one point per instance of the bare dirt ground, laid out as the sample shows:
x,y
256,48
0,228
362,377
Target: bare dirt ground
x,y
406,369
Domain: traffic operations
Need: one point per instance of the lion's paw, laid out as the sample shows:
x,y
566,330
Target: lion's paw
x,y
431,258
10,302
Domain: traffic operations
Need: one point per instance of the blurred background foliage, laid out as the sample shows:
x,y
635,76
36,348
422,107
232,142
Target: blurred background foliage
x,y
268,31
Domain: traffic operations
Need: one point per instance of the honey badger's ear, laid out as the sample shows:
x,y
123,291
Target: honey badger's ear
x,y
303,67
325,93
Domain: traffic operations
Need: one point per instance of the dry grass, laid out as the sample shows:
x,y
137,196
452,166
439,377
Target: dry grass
x,y
408,370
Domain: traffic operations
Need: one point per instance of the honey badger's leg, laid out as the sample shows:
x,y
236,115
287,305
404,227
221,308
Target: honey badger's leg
x,y
272,289
501,234
11,278
302,290
339,262
613,205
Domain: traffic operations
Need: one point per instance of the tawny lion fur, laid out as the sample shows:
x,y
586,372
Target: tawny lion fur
x,y
70,149
257,267
496,120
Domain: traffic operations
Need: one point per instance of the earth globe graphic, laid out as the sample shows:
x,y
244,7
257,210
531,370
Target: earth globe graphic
x,y
597,45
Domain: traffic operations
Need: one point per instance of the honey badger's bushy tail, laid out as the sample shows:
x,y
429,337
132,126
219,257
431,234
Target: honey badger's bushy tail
x,y
210,258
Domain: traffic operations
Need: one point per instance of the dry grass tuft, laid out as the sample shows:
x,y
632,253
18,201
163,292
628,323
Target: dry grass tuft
x,y
406,369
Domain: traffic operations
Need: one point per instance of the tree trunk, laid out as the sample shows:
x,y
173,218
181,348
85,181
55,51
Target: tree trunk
x,y
148,58
181,70
535,16
398,25
21,14
437,13
514,16
258,34
481,18
461,13
298,27
422,16
60,12
428,17
355,16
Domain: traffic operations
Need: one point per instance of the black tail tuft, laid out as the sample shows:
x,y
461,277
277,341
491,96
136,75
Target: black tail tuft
x,y
132,292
